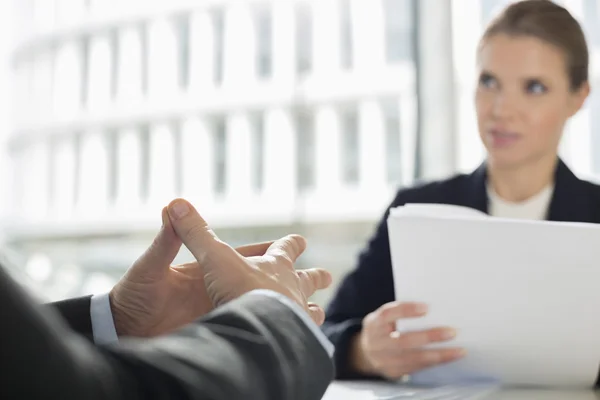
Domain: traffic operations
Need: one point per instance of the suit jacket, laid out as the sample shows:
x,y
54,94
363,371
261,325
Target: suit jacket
x,y
251,348
370,284
76,313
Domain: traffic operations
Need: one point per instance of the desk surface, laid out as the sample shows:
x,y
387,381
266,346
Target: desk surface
x,y
385,391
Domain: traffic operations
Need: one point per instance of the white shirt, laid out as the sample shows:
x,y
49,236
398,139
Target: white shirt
x,y
535,208
104,332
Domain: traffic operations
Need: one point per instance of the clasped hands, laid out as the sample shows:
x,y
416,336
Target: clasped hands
x,y
155,297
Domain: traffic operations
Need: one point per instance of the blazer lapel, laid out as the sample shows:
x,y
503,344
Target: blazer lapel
x,y
570,200
475,193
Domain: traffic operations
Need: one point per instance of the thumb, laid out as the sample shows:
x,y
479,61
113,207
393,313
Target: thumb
x,y
197,236
163,250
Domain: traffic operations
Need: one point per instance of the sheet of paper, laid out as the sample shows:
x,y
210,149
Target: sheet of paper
x,y
385,391
523,295
367,390
437,210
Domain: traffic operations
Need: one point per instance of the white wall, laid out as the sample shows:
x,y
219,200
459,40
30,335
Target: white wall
x,y
6,12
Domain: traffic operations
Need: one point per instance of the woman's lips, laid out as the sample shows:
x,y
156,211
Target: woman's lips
x,y
502,138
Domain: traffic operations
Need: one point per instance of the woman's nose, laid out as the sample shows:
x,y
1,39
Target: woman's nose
x,y
503,106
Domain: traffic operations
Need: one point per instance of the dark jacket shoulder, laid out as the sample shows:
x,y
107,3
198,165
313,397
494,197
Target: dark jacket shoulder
x,y
447,191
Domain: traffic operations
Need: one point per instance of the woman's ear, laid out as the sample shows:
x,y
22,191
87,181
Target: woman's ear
x,y
578,98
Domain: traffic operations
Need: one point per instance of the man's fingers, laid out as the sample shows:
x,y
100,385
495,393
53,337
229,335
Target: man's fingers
x,y
289,247
316,313
163,250
197,236
393,311
254,250
313,279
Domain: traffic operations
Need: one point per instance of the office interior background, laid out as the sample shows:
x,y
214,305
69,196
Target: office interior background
x,y
271,116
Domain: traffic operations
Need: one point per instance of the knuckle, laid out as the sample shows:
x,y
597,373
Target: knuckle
x,y
385,313
194,231
370,320
283,260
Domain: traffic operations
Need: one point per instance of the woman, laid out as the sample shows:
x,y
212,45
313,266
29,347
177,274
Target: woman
x,y
533,63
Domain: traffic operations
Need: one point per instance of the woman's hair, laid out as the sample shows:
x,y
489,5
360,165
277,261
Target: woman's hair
x,y
551,23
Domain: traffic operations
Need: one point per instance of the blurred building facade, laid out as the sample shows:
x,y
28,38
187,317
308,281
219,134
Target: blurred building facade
x,y
272,116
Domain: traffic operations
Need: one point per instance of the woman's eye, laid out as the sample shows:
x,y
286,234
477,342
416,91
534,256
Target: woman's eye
x,y
487,81
536,87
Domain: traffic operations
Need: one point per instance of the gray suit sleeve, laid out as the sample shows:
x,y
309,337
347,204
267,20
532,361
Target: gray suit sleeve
x,y
252,348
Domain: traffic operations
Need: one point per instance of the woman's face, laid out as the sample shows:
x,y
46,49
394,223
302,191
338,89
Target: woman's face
x,y
523,99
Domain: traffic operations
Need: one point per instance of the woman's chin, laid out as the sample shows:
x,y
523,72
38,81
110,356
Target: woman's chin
x,y
502,160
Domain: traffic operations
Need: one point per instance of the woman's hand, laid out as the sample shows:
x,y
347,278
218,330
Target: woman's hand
x,y
380,350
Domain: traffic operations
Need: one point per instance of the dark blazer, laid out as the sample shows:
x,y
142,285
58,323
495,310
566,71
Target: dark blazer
x,y
370,284
251,348
76,313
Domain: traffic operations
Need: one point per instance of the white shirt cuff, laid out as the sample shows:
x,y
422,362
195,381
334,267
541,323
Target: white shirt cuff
x,y
103,325
327,345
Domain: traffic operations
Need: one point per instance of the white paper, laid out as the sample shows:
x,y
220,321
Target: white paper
x,y
366,390
523,295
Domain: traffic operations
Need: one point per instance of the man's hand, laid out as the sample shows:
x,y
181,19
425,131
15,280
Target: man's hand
x,y
154,298
228,274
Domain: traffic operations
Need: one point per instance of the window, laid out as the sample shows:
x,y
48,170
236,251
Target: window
x,y
399,29
263,22
42,85
112,147
131,64
196,157
258,153
182,25
304,37
162,163
218,16
145,162
220,142
391,113
144,71
63,178
98,78
350,146
346,34
129,167
177,152
85,70
162,61
305,146
201,50
114,66
24,89
93,176
67,80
